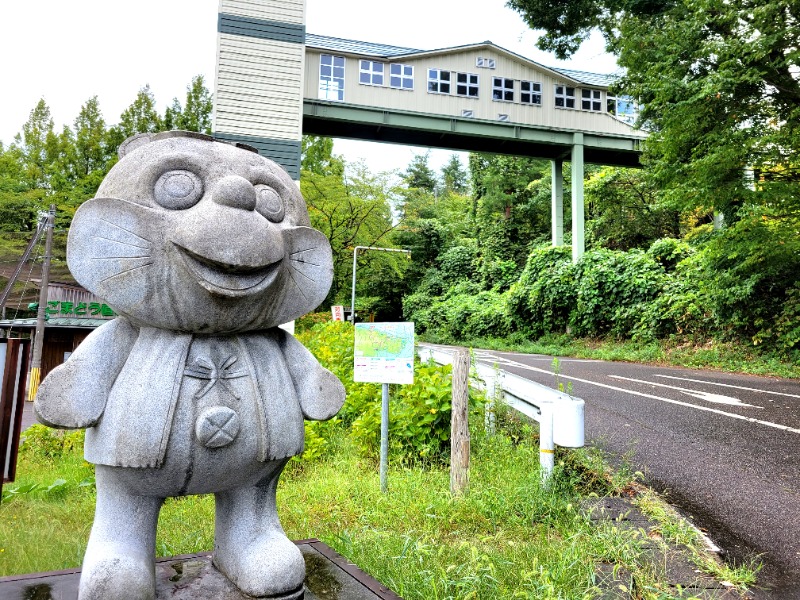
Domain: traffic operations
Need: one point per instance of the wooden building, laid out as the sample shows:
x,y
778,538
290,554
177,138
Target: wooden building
x,y
72,313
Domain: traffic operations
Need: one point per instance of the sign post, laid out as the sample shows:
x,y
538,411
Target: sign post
x,y
384,353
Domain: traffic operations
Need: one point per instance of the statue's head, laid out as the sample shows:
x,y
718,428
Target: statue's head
x,y
196,235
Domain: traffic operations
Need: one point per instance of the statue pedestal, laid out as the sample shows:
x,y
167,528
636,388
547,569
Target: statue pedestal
x,y
329,576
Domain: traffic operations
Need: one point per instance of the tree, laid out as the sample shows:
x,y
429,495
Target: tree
x,y
141,116
418,175
19,204
455,178
351,209
316,156
624,211
195,115
718,85
38,146
92,151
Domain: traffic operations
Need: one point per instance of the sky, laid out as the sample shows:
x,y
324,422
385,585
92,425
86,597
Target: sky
x,y
69,51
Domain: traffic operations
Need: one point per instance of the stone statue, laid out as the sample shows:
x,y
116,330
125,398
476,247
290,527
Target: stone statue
x,y
203,248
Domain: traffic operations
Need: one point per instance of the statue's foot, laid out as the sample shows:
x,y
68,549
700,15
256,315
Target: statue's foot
x,y
117,575
271,566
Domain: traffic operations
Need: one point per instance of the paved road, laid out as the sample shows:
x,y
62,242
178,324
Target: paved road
x,y
723,447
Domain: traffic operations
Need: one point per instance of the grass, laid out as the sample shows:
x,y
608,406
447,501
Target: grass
x,y
709,354
510,536
677,530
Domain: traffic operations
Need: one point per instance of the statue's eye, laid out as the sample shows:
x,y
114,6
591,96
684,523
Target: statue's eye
x,y
178,190
269,203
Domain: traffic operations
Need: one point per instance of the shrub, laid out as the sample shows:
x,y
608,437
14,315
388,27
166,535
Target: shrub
x,y
457,263
499,275
40,441
542,299
750,270
419,416
477,315
669,252
612,287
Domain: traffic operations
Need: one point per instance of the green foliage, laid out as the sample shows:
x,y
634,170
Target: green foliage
x,y
196,113
457,263
65,168
612,287
41,442
512,209
751,271
543,298
669,252
352,208
141,116
419,176
455,179
624,210
420,413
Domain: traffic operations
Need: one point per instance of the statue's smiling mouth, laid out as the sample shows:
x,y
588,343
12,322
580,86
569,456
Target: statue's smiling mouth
x,y
226,279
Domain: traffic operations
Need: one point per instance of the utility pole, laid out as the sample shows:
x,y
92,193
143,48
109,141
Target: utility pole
x,y
40,227
38,340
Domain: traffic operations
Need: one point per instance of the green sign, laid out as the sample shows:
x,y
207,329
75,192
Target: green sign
x,y
57,308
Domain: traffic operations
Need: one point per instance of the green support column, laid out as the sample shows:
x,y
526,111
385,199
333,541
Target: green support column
x,y
577,197
557,204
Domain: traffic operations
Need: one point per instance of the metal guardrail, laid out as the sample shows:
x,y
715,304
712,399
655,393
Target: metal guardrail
x,y
560,416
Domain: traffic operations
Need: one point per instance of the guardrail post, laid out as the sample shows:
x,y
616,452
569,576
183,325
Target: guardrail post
x,y
494,390
459,432
546,444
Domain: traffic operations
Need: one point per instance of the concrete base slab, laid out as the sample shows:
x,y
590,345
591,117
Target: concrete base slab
x,y
329,576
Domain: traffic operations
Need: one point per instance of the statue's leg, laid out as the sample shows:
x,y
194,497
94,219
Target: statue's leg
x,y
250,546
120,558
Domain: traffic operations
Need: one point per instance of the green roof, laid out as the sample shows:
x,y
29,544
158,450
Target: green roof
x,y
53,322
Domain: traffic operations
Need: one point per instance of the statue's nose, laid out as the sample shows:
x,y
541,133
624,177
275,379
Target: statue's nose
x,y
236,192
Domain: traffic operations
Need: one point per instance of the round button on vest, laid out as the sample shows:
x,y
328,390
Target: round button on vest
x,y
217,427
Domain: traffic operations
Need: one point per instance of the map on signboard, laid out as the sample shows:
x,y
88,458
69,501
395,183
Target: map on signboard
x,y
384,353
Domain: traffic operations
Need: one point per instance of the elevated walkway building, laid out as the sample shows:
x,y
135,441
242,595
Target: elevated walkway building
x,y
275,82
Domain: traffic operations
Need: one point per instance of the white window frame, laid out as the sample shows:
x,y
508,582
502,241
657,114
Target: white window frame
x,y
566,95
404,75
374,71
331,86
534,92
612,107
485,63
438,83
502,89
591,99
470,84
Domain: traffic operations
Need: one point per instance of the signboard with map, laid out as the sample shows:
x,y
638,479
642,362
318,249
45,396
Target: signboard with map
x,y
384,353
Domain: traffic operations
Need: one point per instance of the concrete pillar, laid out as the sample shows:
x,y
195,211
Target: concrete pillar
x,y
577,197
557,204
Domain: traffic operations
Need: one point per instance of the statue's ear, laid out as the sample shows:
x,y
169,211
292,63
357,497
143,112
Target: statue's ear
x,y
310,272
134,142
111,243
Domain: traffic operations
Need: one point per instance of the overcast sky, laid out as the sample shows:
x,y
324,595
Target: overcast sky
x,y
67,51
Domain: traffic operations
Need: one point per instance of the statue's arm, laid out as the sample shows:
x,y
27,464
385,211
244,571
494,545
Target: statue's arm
x,y
320,392
74,394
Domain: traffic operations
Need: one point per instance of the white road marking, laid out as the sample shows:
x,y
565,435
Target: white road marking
x,y
667,400
738,387
717,398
